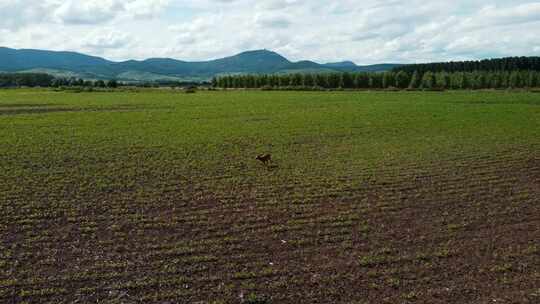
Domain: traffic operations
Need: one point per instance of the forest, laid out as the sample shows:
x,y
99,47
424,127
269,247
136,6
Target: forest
x,y
503,73
25,80
387,80
9,80
501,64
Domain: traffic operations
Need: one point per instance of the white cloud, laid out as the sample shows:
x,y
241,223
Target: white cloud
x,y
15,14
145,8
106,38
87,12
493,15
100,11
369,31
272,21
19,13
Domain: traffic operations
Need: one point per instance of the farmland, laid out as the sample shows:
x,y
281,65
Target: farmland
x,y
372,197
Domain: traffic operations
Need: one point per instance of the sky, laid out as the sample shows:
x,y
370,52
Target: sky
x,y
363,31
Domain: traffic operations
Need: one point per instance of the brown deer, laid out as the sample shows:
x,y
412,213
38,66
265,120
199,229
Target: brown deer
x,y
264,158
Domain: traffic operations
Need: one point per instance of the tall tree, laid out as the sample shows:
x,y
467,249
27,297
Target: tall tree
x,y
533,79
402,80
307,80
416,80
112,84
428,81
442,80
347,80
515,80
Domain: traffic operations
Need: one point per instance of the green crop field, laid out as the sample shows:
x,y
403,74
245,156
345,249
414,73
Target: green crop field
x,y
372,197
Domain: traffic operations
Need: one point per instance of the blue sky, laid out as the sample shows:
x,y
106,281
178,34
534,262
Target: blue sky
x,y
368,31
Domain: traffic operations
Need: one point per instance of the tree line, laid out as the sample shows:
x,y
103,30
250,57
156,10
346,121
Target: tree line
x,y
25,79
78,82
386,80
45,80
11,80
501,64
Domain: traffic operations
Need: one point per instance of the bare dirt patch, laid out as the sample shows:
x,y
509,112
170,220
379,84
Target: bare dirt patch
x,y
461,231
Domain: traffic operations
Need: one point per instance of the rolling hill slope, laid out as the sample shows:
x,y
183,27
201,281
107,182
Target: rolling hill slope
x,y
91,67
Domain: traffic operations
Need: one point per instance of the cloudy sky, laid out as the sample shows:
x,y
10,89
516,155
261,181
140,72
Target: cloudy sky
x,y
364,31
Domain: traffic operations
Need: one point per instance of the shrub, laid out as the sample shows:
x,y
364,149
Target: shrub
x,y
256,299
190,90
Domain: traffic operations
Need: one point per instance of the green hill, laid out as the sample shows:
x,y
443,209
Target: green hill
x,y
71,64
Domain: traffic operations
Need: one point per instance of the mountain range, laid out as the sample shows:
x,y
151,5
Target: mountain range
x,y
72,64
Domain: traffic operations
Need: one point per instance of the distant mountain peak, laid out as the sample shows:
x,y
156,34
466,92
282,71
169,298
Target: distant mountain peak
x,y
341,64
261,54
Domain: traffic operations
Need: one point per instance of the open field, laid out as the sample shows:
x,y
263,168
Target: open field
x,y
373,197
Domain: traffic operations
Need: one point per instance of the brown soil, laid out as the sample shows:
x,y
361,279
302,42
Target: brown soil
x,y
460,231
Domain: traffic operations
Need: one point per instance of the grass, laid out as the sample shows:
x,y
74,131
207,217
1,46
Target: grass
x,y
374,196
